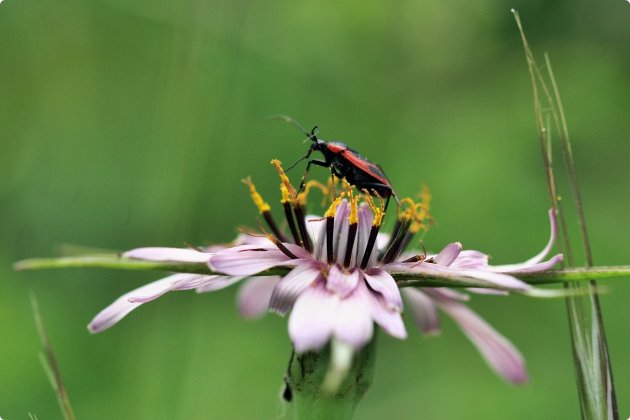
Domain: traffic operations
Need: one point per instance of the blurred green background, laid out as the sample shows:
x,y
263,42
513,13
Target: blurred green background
x,y
131,123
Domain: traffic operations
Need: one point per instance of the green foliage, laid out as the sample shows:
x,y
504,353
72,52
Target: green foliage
x,y
131,123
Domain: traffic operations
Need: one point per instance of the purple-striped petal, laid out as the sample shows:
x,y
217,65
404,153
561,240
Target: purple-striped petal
x,y
382,282
168,254
248,260
292,285
131,300
340,282
312,319
500,353
253,297
423,310
448,254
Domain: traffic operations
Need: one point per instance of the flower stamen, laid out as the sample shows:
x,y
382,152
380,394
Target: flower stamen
x,y
376,225
288,213
264,208
298,209
353,220
330,227
277,243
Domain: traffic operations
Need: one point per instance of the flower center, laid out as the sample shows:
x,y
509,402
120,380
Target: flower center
x,y
353,219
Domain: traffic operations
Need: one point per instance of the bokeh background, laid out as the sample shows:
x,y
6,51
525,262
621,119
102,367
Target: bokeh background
x,y
131,123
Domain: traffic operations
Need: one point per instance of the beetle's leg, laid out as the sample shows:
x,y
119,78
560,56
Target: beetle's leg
x,y
321,163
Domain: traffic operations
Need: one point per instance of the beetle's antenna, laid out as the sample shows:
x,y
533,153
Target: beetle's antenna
x,y
294,164
310,136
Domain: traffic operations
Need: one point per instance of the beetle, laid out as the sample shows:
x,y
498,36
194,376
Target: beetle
x,y
347,163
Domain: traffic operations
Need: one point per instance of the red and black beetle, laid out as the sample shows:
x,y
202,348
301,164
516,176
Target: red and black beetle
x,y
347,163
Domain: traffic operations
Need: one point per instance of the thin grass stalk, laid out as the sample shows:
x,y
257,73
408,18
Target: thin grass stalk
x,y
590,351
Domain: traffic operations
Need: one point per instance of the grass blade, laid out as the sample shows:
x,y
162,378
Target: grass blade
x,y
50,365
590,351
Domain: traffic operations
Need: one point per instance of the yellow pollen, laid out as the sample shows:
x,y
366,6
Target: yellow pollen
x,y
353,217
307,188
332,210
421,211
378,212
284,178
285,194
256,198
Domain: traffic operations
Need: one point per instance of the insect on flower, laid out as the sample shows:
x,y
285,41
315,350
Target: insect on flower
x,y
345,163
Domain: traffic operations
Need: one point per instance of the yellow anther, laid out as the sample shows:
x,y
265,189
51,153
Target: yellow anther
x,y
331,185
286,198
332,210
378,212
405,214
307,188
421,211
284,178
256,198
353,217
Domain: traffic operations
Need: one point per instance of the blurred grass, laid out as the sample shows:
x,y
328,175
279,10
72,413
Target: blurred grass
x,y
131,123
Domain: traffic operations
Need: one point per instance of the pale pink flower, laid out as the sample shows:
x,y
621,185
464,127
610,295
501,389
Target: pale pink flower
x,y
340,283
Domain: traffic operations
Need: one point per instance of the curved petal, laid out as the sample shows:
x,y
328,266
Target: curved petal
x,y
527,265
483,277
248,260
123,305
391,321
168,254
423,310
448,254
353,322
218,283
532,268
312,319
498,352
469,258
253,297
291,286
340,282
382,282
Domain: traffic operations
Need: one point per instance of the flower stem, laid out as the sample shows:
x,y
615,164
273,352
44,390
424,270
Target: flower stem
x,y
402,279
307,376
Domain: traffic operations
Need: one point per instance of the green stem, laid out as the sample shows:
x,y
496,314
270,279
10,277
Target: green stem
x,y
403,279
307,378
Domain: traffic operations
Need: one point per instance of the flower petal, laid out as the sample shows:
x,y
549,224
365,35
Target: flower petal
x,y
340,282
532,268
471,259
448,254
423,310
168,254
353,321
391,321
532,262
218,283
253,297
292,285
124,304
312,319
382,282
248,260
500,353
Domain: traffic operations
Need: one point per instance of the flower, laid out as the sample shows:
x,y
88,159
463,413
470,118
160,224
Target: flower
x,y
341,280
